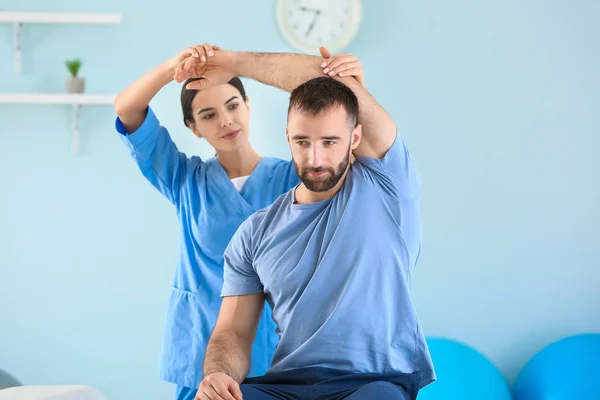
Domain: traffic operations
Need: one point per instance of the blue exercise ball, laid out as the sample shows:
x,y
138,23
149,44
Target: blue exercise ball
x,y
463,374
7,380
565,370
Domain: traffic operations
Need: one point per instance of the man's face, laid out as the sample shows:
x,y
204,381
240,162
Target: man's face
x,y
321,147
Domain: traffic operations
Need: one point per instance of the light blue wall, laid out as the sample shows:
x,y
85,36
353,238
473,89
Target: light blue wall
x,y
498,101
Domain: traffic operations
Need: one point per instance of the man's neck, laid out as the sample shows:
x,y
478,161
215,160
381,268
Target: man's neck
x,y
304,196
240,162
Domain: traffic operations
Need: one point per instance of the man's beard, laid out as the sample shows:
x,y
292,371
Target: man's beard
x,y
324,183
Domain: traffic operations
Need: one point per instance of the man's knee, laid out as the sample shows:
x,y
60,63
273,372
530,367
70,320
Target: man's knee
x,y
379,390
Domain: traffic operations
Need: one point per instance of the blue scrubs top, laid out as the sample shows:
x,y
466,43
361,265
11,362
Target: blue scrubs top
x,y
210,210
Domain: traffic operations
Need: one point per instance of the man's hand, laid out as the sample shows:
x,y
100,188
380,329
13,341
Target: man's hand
x,y
216,70
342,65
218,386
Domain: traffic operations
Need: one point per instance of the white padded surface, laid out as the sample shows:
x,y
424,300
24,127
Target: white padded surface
x,y
51,393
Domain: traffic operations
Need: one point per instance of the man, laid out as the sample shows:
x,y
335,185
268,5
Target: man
x,y
334,257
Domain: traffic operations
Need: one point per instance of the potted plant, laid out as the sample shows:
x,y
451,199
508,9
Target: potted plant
x,y
75,84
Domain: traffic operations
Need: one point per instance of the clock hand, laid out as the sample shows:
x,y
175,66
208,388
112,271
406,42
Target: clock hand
x,y
310,10
312,24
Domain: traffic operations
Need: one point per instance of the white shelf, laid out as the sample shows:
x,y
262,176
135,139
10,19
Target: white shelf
x,y
75,100
59,98
60,18
20,18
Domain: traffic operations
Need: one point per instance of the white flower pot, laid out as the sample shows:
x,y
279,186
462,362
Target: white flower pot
x,y
75,85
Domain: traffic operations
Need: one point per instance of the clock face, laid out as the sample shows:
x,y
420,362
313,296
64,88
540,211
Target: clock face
x,y
309,24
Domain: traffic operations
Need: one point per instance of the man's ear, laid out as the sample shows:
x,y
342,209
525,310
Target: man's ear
x,y
356,136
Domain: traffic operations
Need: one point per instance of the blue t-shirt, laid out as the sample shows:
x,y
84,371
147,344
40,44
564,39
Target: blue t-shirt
x,y
210,210
338,273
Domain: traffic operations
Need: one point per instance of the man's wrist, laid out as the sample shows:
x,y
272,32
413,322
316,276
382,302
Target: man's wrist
x,y
240,61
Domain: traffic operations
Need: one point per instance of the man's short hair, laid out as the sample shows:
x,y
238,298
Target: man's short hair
x,y
321,95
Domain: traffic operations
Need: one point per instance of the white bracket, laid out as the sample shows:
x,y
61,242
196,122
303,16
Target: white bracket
x,y
20,18
76,101
18,50
75,129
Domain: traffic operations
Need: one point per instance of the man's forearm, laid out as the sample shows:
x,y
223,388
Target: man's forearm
x,y
287,71
228,354
283,70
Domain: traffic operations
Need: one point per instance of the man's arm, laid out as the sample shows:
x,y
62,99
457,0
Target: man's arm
x,y
287,71
283,70
230,345
378,127
227,359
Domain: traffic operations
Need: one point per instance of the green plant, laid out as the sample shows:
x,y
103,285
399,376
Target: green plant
x,y
74,66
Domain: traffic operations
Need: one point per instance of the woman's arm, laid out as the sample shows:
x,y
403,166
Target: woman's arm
x,y
132,103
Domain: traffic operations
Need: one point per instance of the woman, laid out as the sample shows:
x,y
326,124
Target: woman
x,y
213,197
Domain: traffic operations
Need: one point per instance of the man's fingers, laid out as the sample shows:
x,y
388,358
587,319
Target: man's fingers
x,y
210,394
222,389
194,85
234,388
200,395
200,84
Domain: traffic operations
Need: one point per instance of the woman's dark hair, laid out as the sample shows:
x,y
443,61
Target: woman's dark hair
x,y
187,96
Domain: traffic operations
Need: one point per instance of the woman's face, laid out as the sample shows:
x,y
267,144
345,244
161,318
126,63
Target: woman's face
x,y
222,117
